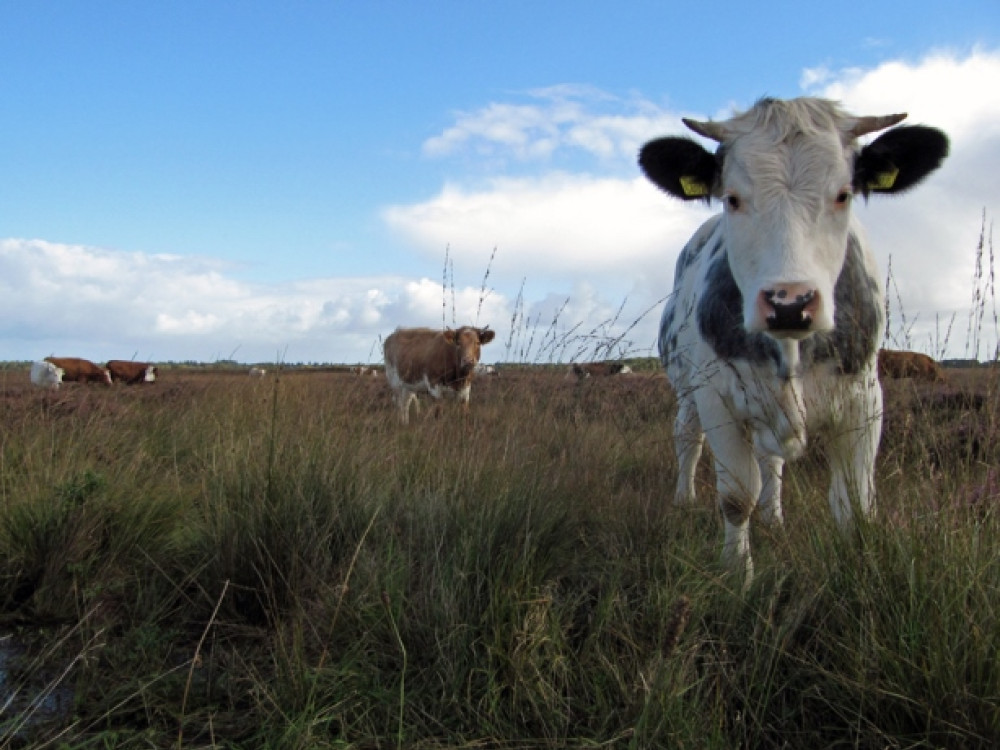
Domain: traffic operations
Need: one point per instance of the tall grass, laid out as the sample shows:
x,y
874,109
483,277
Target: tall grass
x,y
982,334
212,562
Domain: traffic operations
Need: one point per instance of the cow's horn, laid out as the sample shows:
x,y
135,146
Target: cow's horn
x,y
871,123
714,130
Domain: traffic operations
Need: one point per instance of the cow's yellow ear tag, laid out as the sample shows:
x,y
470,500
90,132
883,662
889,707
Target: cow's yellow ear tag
x,y
693,187
884,180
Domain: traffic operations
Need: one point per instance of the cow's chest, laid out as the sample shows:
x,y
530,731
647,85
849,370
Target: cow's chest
x,y
781,414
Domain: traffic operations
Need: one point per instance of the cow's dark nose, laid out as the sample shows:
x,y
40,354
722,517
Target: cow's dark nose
x,y
789,307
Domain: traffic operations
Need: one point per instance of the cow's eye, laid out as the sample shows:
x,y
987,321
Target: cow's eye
x,y
843,197
733,202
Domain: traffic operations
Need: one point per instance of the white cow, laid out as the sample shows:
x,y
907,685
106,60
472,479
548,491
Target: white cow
x,y
257,372
777,311
46,375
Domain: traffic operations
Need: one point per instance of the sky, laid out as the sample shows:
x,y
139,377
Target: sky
x,y
266,182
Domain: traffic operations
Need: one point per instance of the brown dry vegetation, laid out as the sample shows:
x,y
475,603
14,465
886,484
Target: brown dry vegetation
x,y
219,561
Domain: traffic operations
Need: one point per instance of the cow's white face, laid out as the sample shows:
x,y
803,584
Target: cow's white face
x,y
787,209
150,375
786,173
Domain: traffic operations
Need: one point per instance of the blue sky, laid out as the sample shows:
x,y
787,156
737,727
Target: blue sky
x,y
186,180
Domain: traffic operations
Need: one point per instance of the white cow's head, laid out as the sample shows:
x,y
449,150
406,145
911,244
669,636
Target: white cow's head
x,y
786,173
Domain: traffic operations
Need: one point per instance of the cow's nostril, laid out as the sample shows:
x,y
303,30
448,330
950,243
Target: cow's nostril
x,y
789,308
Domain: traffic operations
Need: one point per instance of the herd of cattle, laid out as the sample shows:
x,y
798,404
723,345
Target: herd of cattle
x,y
52,372
773,330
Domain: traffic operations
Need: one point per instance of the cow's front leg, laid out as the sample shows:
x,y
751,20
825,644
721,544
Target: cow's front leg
x,y
769,504
688,441
738,483
853,447
406,398
463,397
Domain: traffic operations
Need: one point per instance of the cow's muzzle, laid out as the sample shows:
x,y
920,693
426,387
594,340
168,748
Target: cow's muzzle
x,y
788,308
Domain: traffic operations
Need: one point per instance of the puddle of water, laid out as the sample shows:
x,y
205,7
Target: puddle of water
x,y
28,700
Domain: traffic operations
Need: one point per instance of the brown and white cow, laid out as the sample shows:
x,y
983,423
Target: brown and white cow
x,y
80,370
902,364
582,370
441,363
131,373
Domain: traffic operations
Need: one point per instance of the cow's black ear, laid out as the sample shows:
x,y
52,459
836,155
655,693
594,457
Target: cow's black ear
x,y
681,167
899,159
486,335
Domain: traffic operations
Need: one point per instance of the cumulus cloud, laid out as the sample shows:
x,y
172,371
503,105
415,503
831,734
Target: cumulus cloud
x,y
73,300
101,304
556,225
555,119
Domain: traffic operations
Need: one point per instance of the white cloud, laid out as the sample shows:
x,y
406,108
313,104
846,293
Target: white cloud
x,y
955,93
97,303
72,300
572,119
814,77
101,304
556,225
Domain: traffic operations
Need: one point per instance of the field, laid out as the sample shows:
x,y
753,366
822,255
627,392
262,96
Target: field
x,y
215,561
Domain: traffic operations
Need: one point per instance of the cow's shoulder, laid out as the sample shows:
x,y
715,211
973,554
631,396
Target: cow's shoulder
x,y
706,243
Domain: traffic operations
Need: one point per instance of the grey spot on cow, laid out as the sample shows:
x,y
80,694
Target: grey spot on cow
x,y
720,320
857,318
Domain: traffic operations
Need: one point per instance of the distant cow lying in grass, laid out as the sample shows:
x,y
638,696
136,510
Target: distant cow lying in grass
x,y
46,375
80,370
423,360
898,364
598,369
131,373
